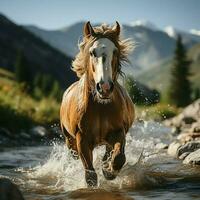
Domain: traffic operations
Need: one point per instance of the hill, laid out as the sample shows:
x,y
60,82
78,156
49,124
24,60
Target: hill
x,y
40,56
159,76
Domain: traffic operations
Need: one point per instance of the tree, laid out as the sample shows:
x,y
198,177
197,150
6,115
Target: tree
x,y
46,84
21,68
180,86
56,91
141,94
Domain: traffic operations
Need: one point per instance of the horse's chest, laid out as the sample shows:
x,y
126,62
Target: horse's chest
x,y
99,121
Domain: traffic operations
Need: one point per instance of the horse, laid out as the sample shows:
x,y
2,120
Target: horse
x,y
97,110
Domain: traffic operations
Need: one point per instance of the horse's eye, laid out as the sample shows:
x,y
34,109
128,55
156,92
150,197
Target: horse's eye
x,y
115,51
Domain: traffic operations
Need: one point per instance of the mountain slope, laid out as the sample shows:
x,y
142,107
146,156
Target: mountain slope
x,y
41,57
152,45
160,75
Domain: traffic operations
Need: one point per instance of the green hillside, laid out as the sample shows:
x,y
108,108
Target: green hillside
x,y
41,57
19,110
159,76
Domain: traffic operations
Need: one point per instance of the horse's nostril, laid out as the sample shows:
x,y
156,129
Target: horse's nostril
x,y
98,87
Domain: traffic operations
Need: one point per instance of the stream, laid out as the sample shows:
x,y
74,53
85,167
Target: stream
x,y
49,173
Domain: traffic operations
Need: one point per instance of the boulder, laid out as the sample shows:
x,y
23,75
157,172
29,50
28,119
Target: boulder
x,y
188,147
193,158
39,131
187,117
9,191
184,155
195,128
173,148
187,137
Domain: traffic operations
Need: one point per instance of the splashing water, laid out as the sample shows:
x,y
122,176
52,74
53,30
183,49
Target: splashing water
x,y
65,173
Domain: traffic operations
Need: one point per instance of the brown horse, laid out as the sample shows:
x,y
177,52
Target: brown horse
x,y
96,110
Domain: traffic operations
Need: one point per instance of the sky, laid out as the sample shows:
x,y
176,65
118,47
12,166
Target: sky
x,y
55,14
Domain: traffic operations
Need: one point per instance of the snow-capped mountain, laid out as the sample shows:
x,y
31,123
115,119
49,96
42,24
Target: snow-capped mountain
x,y
171,32
152,45
144,23
195,32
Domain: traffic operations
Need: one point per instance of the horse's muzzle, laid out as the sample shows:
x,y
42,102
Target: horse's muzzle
x,y
105,88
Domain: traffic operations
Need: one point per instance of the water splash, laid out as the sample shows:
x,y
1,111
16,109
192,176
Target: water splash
x,y
60,172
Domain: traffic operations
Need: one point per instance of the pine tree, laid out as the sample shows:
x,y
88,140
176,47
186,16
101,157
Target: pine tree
x,y
56,91
180,86
21,68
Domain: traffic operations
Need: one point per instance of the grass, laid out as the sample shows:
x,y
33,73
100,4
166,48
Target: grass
x,y
19,110
157,112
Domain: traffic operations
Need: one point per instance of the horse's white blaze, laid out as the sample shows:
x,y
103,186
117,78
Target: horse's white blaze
x,y
102,60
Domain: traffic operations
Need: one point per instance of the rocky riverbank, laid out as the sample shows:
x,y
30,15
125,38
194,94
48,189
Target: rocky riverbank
x,y
187,127
37,135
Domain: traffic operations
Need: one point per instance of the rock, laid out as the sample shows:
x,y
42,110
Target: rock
x,y
188,120
161,146
195,127
173,148
187,117
187,137
25,135
193,158
184,155
38,131
188,147
5,133
9,191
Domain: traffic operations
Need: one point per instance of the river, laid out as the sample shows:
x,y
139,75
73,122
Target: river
x,y
49,173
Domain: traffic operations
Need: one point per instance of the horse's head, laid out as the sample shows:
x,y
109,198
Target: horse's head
x,y
103,58
102,62
100,58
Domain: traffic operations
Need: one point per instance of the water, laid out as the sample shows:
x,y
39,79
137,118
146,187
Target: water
x,y
49,172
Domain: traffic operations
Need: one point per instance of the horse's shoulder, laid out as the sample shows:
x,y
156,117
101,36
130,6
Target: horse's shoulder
x,y
128,106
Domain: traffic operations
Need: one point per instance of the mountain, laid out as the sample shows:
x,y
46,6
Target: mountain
x,y
192,35
152,45
65,39
40,56
159,76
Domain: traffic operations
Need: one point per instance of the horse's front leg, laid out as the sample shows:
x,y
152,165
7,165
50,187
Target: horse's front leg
x,y
85,153
114,157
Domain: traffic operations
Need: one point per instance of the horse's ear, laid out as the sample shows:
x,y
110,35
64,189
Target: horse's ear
x,y
117,28
88,30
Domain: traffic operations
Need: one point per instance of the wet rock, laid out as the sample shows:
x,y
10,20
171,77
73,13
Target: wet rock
x,y
187,117
195,128
173,148
193,158
184,155
161,146
5,133
25,135
39,131
9,191
189,136
188,147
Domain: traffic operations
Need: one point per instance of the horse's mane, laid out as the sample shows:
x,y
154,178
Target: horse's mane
x,y
125,46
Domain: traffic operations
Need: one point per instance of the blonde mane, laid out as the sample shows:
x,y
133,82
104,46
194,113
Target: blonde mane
x,y
125,46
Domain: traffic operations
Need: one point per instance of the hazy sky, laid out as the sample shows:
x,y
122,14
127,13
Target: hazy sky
x,y
52,14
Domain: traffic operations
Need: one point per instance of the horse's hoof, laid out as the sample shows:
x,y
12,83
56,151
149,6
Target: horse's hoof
x,y
109,175
74,154
91,178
